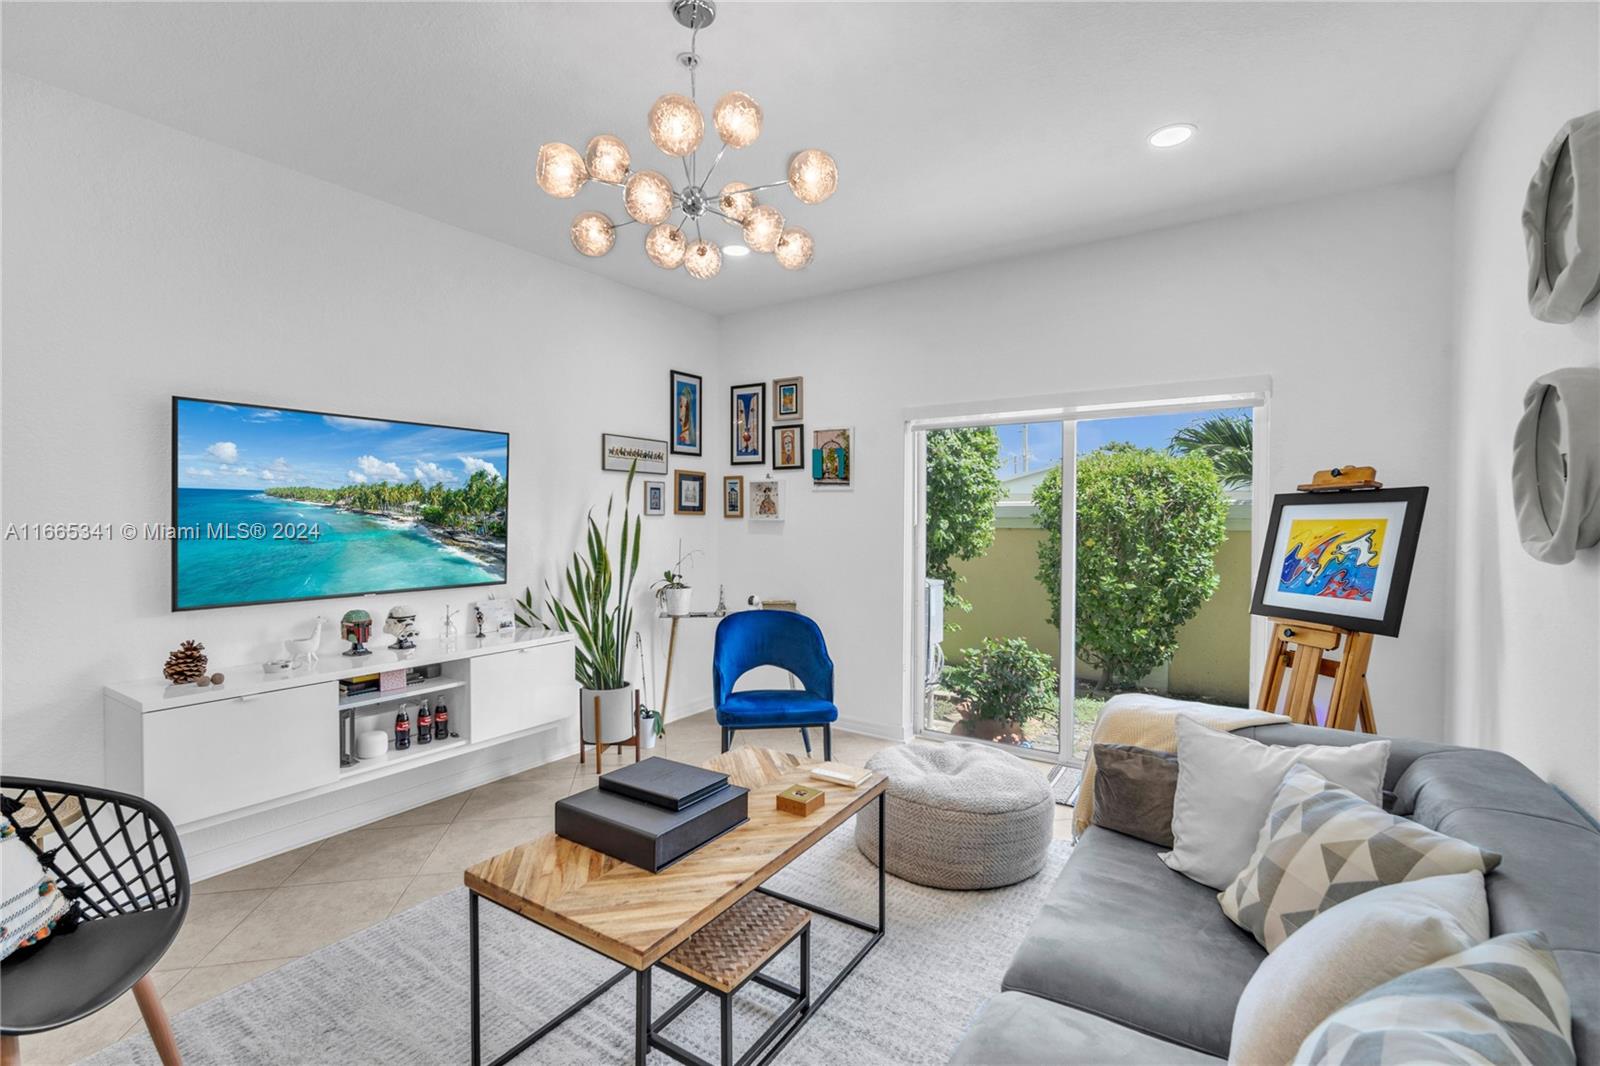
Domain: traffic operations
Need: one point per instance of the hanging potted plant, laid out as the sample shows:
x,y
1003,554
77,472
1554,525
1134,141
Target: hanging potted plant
x,y
597,610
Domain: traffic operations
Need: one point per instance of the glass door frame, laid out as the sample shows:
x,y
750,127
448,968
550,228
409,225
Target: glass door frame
x,y
1068,410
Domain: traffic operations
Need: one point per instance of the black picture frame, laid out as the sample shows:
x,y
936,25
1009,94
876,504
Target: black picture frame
x,y
697,418
799,430
1405,550
759,457
173,511
679,480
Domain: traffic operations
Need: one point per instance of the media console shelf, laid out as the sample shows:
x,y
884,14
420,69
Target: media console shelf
x,y
204,754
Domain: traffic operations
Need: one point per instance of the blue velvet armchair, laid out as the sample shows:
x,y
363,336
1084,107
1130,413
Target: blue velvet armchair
x,y
786,640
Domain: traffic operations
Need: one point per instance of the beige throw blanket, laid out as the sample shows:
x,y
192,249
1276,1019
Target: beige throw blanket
x,y
1152,722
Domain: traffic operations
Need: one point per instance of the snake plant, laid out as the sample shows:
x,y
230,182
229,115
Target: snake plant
x,y
598,604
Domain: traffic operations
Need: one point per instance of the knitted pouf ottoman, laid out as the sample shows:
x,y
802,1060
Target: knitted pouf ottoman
x,y
959,816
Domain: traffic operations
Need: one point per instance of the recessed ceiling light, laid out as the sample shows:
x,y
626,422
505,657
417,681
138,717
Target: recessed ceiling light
x,y
738,251
1171,136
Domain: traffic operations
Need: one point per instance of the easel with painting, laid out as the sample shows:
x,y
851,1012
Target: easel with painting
x,y
1334,574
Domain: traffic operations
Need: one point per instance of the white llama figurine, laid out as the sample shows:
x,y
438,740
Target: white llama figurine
x,y
303,650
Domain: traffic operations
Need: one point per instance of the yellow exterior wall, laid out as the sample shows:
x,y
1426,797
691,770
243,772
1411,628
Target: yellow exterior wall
x,y
1213,658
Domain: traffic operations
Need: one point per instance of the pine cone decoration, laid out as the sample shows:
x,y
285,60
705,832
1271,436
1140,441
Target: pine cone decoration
x,y
186,664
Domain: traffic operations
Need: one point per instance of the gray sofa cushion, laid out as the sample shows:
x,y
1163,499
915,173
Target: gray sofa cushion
x,y
1019,1030
1123,937
1452,779
1133,791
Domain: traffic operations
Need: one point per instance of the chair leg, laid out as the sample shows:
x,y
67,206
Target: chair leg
x,y
727,739
805,738
155,1020
10,1051
827,742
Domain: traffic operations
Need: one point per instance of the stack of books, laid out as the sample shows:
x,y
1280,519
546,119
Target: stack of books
x,y
653,813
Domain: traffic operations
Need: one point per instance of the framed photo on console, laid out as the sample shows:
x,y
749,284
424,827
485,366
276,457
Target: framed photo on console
x,y
789,447
685,422
747,420
1340,559
689,492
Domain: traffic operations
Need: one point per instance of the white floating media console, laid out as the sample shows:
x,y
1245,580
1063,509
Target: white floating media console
x,y
255,741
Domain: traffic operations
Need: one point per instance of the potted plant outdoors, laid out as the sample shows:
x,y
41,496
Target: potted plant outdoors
x,y
1001,684
598,611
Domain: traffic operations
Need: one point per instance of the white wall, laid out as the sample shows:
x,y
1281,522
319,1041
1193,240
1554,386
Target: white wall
x,y
1526,676
1344,302
140,262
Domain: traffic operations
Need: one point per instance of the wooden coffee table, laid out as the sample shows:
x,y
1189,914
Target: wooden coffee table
x,y
635,917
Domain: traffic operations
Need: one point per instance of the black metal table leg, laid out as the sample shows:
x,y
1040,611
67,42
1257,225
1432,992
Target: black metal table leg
x,y
641,1017
727,1030
882,876
477,1034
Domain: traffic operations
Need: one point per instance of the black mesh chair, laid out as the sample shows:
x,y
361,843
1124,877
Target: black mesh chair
x,y
117,858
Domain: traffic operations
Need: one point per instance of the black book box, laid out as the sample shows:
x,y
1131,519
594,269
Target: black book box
x,y
647,836
664,783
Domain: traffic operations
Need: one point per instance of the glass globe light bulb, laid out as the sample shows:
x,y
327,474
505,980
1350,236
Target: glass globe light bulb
x,y
703,260
794,249
666,246
593,234
738,119
560,170
676,125
607,159
813,175
648,197
763,228
735,204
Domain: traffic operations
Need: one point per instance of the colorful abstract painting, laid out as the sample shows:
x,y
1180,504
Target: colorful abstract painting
x,y
685,413
747,421
1338,558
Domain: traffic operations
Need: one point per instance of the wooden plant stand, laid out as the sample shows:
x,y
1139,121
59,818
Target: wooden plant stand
x,y
1300,648
600,745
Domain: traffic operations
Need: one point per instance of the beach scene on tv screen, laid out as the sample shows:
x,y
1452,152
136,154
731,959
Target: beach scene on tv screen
x,y
276,504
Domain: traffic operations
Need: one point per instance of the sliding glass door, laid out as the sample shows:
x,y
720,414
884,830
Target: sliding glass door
x,y
1064,561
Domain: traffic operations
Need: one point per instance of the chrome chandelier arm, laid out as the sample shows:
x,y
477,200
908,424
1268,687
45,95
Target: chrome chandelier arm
x,y
714,163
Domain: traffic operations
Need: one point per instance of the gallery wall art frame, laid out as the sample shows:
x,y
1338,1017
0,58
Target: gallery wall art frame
x,y
789,447
689,492
833,458
1341,559
619,452
655,497
788,399
766,500
733,496
685,403
747,424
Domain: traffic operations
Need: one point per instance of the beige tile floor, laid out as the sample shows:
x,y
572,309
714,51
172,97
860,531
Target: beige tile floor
x,y
254,919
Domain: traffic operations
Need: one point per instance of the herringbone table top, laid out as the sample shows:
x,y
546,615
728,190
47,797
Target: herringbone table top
x,y
636,917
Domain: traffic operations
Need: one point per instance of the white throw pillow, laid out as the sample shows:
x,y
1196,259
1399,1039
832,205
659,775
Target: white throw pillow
x,y
30,902
1349,950
1225,788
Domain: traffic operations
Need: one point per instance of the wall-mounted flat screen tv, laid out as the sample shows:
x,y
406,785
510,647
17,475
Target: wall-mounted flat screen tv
x,y
271,504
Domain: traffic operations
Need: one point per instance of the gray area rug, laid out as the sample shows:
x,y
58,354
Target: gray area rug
x,y
397,993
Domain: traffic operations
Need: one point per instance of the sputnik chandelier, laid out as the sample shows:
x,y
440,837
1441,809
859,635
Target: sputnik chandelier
x,y
677,127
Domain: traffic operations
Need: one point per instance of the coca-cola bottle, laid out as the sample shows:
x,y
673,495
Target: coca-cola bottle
x,y
402,730
441,720
424,724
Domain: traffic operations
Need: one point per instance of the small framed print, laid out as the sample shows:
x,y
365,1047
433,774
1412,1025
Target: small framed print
x,y
788,399
655,497
789,447
766,500
619,452
733,496
685,403
689,492
748,424
833,458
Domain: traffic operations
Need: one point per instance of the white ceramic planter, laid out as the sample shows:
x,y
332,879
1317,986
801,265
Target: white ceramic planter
x,y
647,732
676,601
616,714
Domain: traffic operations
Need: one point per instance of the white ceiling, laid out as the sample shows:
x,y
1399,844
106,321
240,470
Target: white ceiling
x,y
964,132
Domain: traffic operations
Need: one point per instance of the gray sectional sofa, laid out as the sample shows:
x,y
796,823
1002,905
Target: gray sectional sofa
x,y
1130,962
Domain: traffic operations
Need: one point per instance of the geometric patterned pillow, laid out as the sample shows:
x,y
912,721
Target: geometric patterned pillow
x,y
1502,1002
1323,844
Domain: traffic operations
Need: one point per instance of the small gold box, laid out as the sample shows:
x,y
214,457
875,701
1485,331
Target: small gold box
x,y
801,799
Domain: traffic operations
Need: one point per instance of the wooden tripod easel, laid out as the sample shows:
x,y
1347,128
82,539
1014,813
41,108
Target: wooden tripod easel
x,y
1301,647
